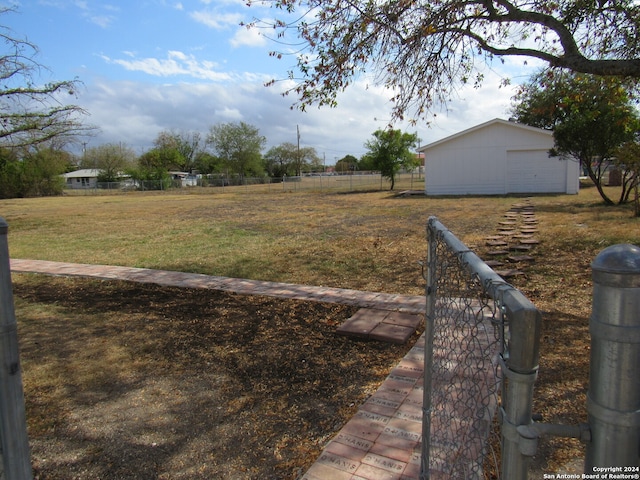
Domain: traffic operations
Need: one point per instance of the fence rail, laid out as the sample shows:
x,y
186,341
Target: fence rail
x,y
481,359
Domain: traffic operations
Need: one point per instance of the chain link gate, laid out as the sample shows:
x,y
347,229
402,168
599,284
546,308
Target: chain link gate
x,y
481,354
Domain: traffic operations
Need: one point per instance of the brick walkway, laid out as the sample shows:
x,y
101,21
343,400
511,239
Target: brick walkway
x,y
382,441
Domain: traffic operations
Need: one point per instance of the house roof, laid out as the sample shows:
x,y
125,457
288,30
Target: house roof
x,y
83,173
485,125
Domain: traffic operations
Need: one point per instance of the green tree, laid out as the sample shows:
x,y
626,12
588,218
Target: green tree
x,y
390,151
314,163
423,50
37,172
590,117
240,146
111,158
280,160
306,157
206,163
627,157
365,163
31,113
348,163
181,147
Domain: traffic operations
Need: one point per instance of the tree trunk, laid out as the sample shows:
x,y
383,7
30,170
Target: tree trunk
x,y
597,181
636,202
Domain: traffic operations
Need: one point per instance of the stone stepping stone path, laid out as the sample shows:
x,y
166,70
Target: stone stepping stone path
x,y
383,325
513,240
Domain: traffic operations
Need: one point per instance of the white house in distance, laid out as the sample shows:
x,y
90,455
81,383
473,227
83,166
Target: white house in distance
x,y
496,158
84,178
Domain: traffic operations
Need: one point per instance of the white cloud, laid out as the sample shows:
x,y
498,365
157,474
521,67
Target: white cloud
x,y
176,64
134,113
216,19
101,20
249,37
228,114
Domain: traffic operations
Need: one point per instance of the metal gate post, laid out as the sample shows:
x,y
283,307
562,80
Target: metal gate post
x,y
430,295
613,399
13,423
520,369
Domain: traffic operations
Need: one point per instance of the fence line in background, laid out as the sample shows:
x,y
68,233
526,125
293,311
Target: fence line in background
x,y
310,183
481,359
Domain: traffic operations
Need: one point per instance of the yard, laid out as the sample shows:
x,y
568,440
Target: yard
x,y
133,381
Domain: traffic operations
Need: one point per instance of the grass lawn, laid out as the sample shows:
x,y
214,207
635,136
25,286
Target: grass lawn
x,y
80,361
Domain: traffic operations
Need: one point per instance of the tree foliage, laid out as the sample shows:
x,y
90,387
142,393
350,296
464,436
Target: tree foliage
x,y
348,163
206,163
111,158
182,147
281,160
33,114
627,157
590,116
390,151
239,145
32,173
424,49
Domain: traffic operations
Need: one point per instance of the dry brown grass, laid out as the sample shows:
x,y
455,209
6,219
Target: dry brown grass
x,y
369,241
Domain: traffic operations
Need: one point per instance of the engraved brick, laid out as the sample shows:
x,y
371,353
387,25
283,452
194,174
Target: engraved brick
x,y
345,451
371,472
337,462
320,471
400,454
372,416
384,463
364,429
354,442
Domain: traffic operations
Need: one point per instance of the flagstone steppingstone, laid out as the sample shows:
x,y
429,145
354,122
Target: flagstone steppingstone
x,y
494,263
520,258
496,253
382,325
509,273
496,243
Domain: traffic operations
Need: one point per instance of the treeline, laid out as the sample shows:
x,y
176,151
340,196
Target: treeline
x,y
228,150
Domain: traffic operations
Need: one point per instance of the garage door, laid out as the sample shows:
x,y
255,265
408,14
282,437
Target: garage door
x,y
532,171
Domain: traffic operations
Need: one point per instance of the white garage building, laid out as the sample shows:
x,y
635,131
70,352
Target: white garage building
x,y
497,157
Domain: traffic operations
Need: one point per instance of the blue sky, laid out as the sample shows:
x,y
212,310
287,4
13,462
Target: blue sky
x,y
155,65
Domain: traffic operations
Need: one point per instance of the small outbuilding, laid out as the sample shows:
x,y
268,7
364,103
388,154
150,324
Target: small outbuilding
x,y
495,158
84,178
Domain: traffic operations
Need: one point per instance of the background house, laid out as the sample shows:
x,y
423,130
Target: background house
x,y
84,178
497,157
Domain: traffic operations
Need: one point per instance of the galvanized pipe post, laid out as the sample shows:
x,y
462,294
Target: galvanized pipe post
x,y
13,423
430,296
520,369
613,399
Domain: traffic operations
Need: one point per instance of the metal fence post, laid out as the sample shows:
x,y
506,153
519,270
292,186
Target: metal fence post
x,y
613,399
520,369
430,295
13,424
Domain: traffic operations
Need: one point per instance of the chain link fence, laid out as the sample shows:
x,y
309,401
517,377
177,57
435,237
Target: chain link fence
x,y
217,184
469,380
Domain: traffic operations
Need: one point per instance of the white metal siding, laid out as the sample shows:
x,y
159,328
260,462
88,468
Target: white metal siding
x,y
498,157
533,171
463,171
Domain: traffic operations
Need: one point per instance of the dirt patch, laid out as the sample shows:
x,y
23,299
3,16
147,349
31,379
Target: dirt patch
x,y
128,380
